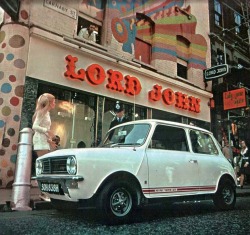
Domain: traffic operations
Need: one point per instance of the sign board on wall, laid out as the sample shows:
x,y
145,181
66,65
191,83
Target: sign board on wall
x,y
215,72
234,99
57,6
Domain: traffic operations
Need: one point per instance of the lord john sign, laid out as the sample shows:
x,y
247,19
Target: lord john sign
x,y
215,72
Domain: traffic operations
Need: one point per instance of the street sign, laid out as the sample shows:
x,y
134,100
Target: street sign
x,y
216,72
235,99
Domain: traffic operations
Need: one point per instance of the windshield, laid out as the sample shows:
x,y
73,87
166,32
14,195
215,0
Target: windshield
x,y
133,134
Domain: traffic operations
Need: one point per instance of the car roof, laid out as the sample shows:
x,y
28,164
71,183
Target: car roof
x,y
158,121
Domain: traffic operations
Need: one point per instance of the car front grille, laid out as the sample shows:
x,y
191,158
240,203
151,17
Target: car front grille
x,y
55,165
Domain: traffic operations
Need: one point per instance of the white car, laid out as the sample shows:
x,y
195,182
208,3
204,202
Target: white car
x,y
138,163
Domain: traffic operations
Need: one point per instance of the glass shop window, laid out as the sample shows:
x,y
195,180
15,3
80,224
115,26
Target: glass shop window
x,y
109,115
73,118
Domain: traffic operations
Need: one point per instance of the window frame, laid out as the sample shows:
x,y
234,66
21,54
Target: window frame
x,y
238,22
161,137
181,65
87,21
199,146
217,13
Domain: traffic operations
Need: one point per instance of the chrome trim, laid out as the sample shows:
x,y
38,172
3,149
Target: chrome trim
x,y
77,178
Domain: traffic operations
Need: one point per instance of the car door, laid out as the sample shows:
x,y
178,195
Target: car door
x,y
173,169
208,159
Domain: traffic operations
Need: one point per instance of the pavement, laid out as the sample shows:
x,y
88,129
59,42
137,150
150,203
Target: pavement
x,y
38,204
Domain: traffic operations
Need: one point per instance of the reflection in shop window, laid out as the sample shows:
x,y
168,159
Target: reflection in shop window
x,y
73,118
139,114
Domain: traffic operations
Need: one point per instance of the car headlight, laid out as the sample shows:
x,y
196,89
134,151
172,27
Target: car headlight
x,y
39,167
71,165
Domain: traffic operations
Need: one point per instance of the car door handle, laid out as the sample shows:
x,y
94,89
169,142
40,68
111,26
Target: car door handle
x,y
193,161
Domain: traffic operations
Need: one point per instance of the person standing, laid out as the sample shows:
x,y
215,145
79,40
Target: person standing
x,y
119,115
42,138
88,33
228,152
244,167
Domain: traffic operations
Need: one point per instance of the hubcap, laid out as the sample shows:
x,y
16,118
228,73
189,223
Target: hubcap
x,y
121,202
228,195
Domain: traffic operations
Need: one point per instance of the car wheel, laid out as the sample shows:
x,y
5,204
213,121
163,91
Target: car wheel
x,y
117,202
225,197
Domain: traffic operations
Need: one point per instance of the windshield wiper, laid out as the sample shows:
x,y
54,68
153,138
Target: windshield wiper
x,y
124,144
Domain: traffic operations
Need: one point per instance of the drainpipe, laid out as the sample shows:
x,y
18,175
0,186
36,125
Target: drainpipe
x,y
21,185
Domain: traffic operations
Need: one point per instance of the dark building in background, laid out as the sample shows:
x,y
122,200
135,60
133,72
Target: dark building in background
x,y
229,35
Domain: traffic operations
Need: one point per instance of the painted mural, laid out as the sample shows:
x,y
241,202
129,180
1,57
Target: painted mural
x,y
158,23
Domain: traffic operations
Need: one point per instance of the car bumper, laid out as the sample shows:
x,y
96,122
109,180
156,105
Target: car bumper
x,y
59,185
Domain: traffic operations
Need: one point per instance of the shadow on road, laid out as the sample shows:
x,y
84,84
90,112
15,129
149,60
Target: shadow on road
x,y
146,214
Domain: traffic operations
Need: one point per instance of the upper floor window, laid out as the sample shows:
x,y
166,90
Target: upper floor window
x,y
182,49
237,21
220,57
181,68
87,30
217,13
90,20
143,40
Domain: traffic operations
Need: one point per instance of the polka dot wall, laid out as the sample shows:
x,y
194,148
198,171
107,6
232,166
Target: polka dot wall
x,y
13,56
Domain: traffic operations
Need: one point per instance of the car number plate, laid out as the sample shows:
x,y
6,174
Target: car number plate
x,y
47,187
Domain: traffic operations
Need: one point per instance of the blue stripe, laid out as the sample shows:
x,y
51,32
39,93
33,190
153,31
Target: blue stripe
x,y
163,50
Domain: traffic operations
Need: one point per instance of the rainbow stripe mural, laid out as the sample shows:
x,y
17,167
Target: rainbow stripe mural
x,y
168,21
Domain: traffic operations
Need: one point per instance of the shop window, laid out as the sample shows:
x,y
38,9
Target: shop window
x,y
73,118
163,115
108,116
217,13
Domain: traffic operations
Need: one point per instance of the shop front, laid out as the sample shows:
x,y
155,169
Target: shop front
x,y
87,85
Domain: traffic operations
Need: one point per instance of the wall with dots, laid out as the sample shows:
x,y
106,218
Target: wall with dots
x,y
14,41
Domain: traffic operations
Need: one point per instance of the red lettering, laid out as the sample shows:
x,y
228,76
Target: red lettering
x,y
114,80
182,100
168,96
133,85
194,104
155,94
95,74
70,73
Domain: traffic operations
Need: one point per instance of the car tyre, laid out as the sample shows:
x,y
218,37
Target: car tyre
x,y
225,197
117,202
